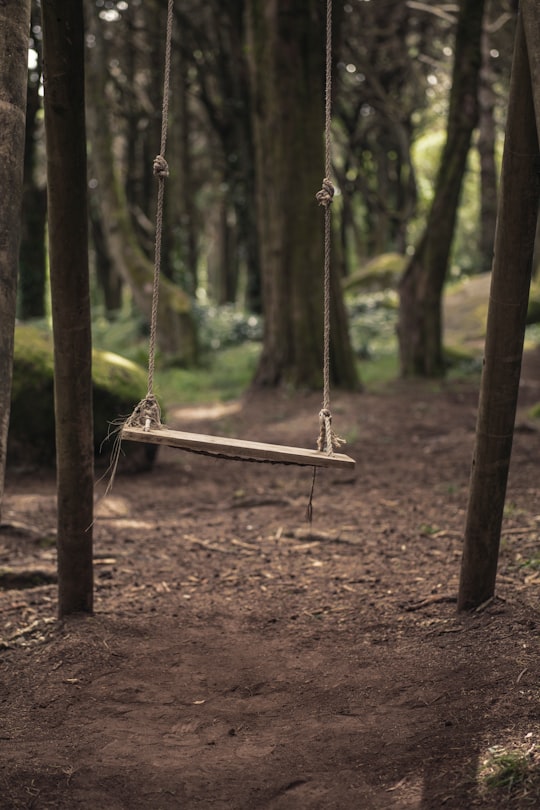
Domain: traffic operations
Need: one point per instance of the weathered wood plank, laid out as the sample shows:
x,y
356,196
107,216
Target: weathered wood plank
x,y
237,448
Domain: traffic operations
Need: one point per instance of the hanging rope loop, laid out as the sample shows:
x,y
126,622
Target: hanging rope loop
x,y
146,415
161,167
328,440
325,196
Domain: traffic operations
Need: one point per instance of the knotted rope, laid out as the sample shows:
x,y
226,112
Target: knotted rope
x,y
328,440
147,413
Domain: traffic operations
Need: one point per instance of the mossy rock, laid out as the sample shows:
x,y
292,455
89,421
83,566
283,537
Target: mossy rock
x,y
383,272
118,384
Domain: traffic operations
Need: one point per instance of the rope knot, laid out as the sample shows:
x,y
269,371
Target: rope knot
x,y
328,441
146,415
161,167
326,195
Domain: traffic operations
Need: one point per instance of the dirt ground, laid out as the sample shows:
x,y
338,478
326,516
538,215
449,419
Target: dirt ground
x,y
239,659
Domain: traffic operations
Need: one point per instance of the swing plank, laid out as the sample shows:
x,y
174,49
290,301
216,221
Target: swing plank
x,y
237,448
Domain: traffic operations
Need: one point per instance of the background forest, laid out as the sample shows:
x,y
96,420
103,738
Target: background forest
x,y
241,251
219,633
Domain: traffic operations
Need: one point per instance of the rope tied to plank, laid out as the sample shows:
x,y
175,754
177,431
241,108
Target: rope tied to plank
x,y
328,440
147,413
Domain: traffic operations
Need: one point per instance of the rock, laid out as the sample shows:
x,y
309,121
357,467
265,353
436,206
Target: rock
x,y
118,384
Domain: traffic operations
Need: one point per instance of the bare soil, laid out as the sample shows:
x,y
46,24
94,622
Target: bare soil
x,y
239,658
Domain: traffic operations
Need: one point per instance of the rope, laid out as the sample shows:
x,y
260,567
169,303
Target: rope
x,y
328,440
147,413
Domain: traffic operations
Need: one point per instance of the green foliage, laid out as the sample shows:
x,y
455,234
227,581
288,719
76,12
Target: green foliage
x,y
507,769
226,375
372,323
225,326
125,334
426,154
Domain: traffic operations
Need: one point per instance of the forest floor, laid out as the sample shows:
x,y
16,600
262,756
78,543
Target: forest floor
x,y
239,659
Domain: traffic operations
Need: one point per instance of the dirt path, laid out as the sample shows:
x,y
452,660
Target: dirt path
x,y
239,660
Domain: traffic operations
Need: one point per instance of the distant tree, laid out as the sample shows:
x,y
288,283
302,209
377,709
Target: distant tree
x,y
14,33
495,35
32,256
212,39
63,48
286,60
381,83
420,317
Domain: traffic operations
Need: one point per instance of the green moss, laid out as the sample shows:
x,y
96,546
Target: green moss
x,y
534,412
118,384
380,273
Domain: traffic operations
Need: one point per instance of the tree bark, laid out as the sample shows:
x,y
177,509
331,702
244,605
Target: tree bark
x,y
420,316
486,151
516,225
14,33
63,48
286,58
32,253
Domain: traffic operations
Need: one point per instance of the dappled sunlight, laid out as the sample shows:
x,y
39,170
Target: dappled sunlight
x,y
202,412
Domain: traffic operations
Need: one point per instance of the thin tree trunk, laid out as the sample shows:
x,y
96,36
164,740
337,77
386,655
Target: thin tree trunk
x,y
14,32
63,48
108,279
420,315
32,253
486,151
532,30
516,225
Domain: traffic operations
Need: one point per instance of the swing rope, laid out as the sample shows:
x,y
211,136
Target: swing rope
x,y
147,413
328,440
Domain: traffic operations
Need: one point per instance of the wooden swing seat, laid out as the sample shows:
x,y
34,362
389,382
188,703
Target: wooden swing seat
x,y
240,449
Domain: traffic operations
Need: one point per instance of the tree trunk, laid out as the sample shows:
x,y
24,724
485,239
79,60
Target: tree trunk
x,y
107,278
486,151
32,253
181,212
286,51
516,225
14,32
420,317
532,28
63,48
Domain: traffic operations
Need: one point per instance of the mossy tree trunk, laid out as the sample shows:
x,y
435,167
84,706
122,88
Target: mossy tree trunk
x,y
63,49
421,288
286,57
14,33
516,225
